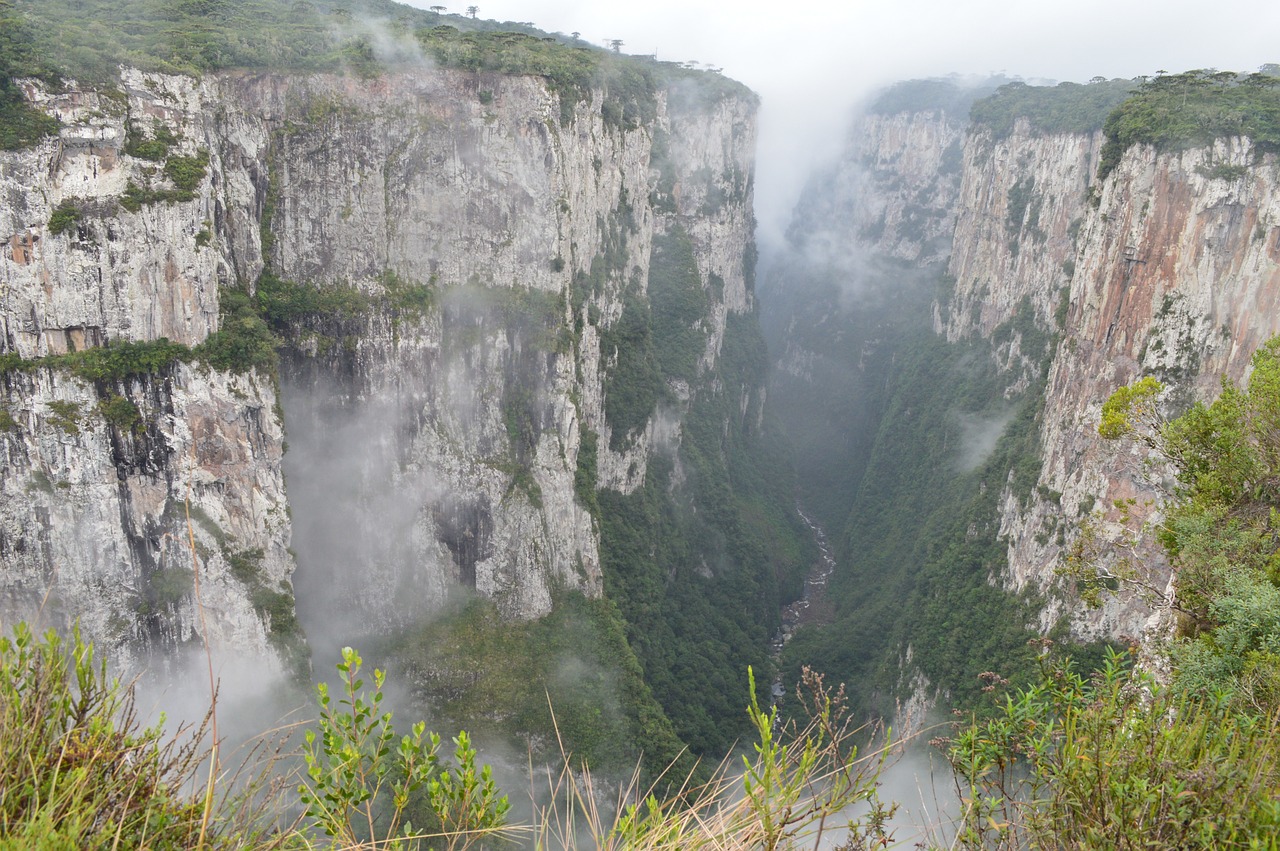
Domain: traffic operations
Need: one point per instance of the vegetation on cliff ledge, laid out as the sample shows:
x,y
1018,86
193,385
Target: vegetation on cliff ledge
x,y
1064,108
54,38
1176,111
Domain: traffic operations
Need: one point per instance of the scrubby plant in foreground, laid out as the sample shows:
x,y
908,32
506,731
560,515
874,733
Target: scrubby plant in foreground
x,y
78,770
362,782
794,789
1115,761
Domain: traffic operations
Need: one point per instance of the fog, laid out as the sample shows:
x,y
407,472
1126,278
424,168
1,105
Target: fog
x,y
812,63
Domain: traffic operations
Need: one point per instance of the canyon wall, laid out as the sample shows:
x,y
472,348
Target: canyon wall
x,y
452,255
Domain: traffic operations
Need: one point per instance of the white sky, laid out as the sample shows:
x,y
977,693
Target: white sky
x,y
812,61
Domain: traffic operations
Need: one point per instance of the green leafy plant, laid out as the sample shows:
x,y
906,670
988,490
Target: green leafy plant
x,y
792,791
1175,111
361,779
64,217
1115,761
1219,528
78,770
120,412
65,415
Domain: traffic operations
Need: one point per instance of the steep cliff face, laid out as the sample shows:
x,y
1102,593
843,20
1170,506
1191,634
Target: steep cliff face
x,y
1178,276
893,188
958,454
454,259
456,429
1021,204
1172,273
102,464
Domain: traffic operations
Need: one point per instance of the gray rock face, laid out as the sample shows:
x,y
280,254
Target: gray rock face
x,y
1173,274
1169,272
435,431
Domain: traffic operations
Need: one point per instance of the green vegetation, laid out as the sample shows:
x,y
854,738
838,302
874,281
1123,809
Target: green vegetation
x,y
1220,531
905,444
1064,108
78,769
8,423
185,173
320,35
507,678
699,569
363,783
65,416
929,95
21,125
1116,761
633,384
120,413
64,217
275,605
1176,111
243,341
679,306
156,148
79,772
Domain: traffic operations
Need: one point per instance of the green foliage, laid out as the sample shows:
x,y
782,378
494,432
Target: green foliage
x,y
882,432
361,779
1176,111
801,784
65,415
1220,530
699,570
405,297
120,413
64,217
275,605
1131,409
510,677
165,589
679,306
570,72
122,360
930,95
8,423
584,476
78,770
286,304
185,173
633,385
922,538
155,149
1064,108
21,125
1114,761
243,342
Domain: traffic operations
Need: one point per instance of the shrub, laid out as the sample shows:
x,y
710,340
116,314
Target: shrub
x,y
1176,111
1116,762
121,413
361,779
78,770
64,217
65,416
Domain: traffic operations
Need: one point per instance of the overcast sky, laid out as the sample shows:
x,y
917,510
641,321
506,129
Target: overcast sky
x,y
811,62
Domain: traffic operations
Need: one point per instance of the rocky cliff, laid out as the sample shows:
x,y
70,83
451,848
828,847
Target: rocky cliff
x,y
449,257
1177,276
980,458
